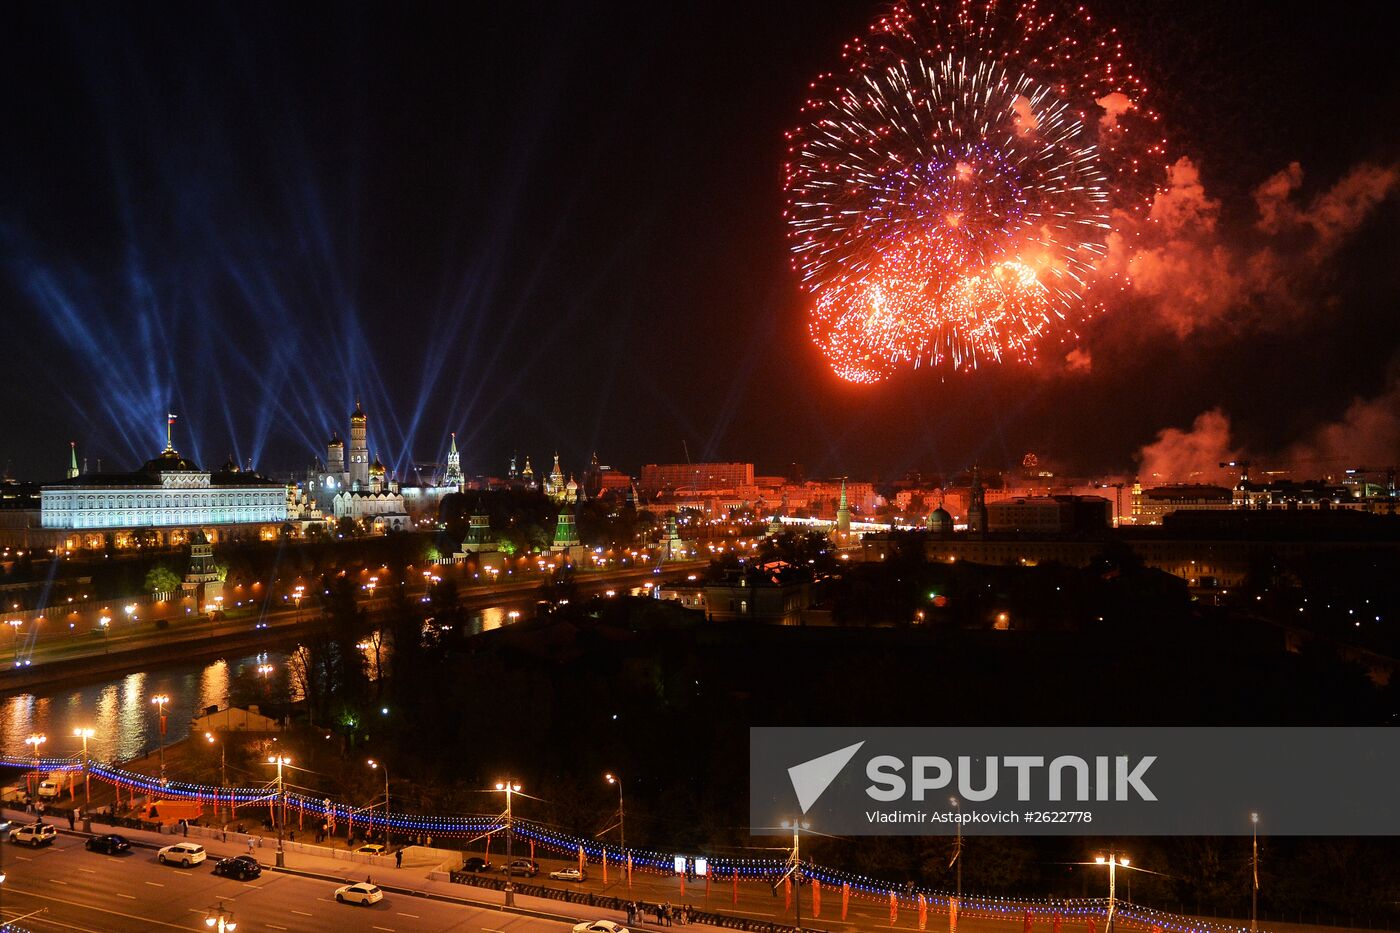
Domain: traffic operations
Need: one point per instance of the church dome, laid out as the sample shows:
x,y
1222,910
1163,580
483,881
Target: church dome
x,y
358,415
231,465
170,461
335,440
376,468
939,521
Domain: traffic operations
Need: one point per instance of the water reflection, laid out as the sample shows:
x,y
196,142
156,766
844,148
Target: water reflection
x,y
120,711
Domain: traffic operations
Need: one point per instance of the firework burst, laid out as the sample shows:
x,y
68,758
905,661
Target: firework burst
x,y
951,191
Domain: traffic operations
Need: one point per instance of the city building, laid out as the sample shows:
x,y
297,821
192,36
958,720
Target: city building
x,y
354,487
1049,514
695,477
160,504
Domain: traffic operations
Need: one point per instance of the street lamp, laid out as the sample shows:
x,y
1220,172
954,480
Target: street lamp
x,y
105,622
957,848
1254,867
14,625
36,740
223,770
795,866
160,700
380,764
1113,862
220,918
621,815
510,788
279,761
85,734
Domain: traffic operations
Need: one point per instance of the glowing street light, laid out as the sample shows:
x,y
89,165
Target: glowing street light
x,y
1254,868
621,815
377,765
105,622
510,788
279,761
160,699
36,740
220,918
85,734
1113,862
795,864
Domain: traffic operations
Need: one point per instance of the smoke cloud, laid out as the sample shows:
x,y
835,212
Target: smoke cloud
x,y
1114,105
1366,435
1193,275
1187,456
1079,360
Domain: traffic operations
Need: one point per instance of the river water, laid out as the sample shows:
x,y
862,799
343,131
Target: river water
x,y
120,712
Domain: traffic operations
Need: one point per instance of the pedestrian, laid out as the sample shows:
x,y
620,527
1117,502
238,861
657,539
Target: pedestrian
x,y
251,845
185,828
293,834
72,820
398,858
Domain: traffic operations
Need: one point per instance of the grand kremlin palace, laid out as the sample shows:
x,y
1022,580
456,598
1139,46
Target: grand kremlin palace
x,y
160,504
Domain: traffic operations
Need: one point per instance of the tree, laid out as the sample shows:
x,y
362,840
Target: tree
x,y
345,527
161,579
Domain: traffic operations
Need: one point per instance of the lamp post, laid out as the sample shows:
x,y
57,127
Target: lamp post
x,y
85,734
279,761
106,623
1254,867
223,770
160,699
621,814
36,740
957,848
1113,862
510,788
14,625
220,918
378,765
796,867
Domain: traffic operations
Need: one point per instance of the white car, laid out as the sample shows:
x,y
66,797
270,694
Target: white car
x,y
568,874
48,790
35,834
362,893
599,926
184,854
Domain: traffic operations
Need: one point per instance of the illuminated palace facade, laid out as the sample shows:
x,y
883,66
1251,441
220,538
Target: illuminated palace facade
x,y
163,503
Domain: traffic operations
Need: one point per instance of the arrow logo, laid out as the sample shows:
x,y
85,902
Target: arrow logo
x,y
811,778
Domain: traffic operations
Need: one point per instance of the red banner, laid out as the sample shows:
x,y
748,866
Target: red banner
x,y
1026,927
605,866
845,898
894,909
710,871
1092,928
581,860
162,724
787,893
735,876
629,870
682,877
488,845
816,898
952,915
532,850
1055,927
923,913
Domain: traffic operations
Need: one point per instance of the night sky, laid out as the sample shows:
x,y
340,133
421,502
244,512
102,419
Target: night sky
x,y
560,227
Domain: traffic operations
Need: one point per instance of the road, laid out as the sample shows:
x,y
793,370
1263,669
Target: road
x,y
85,891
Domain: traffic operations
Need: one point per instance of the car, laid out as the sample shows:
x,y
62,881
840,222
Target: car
x,y
48,790
35,834
372,848
522,866
184,854
241,867
109,844
599,926
476,863
568,874
362,893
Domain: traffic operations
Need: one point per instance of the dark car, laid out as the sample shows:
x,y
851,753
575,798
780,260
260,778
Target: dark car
x,y
110,844
476,863
522,866
241,867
